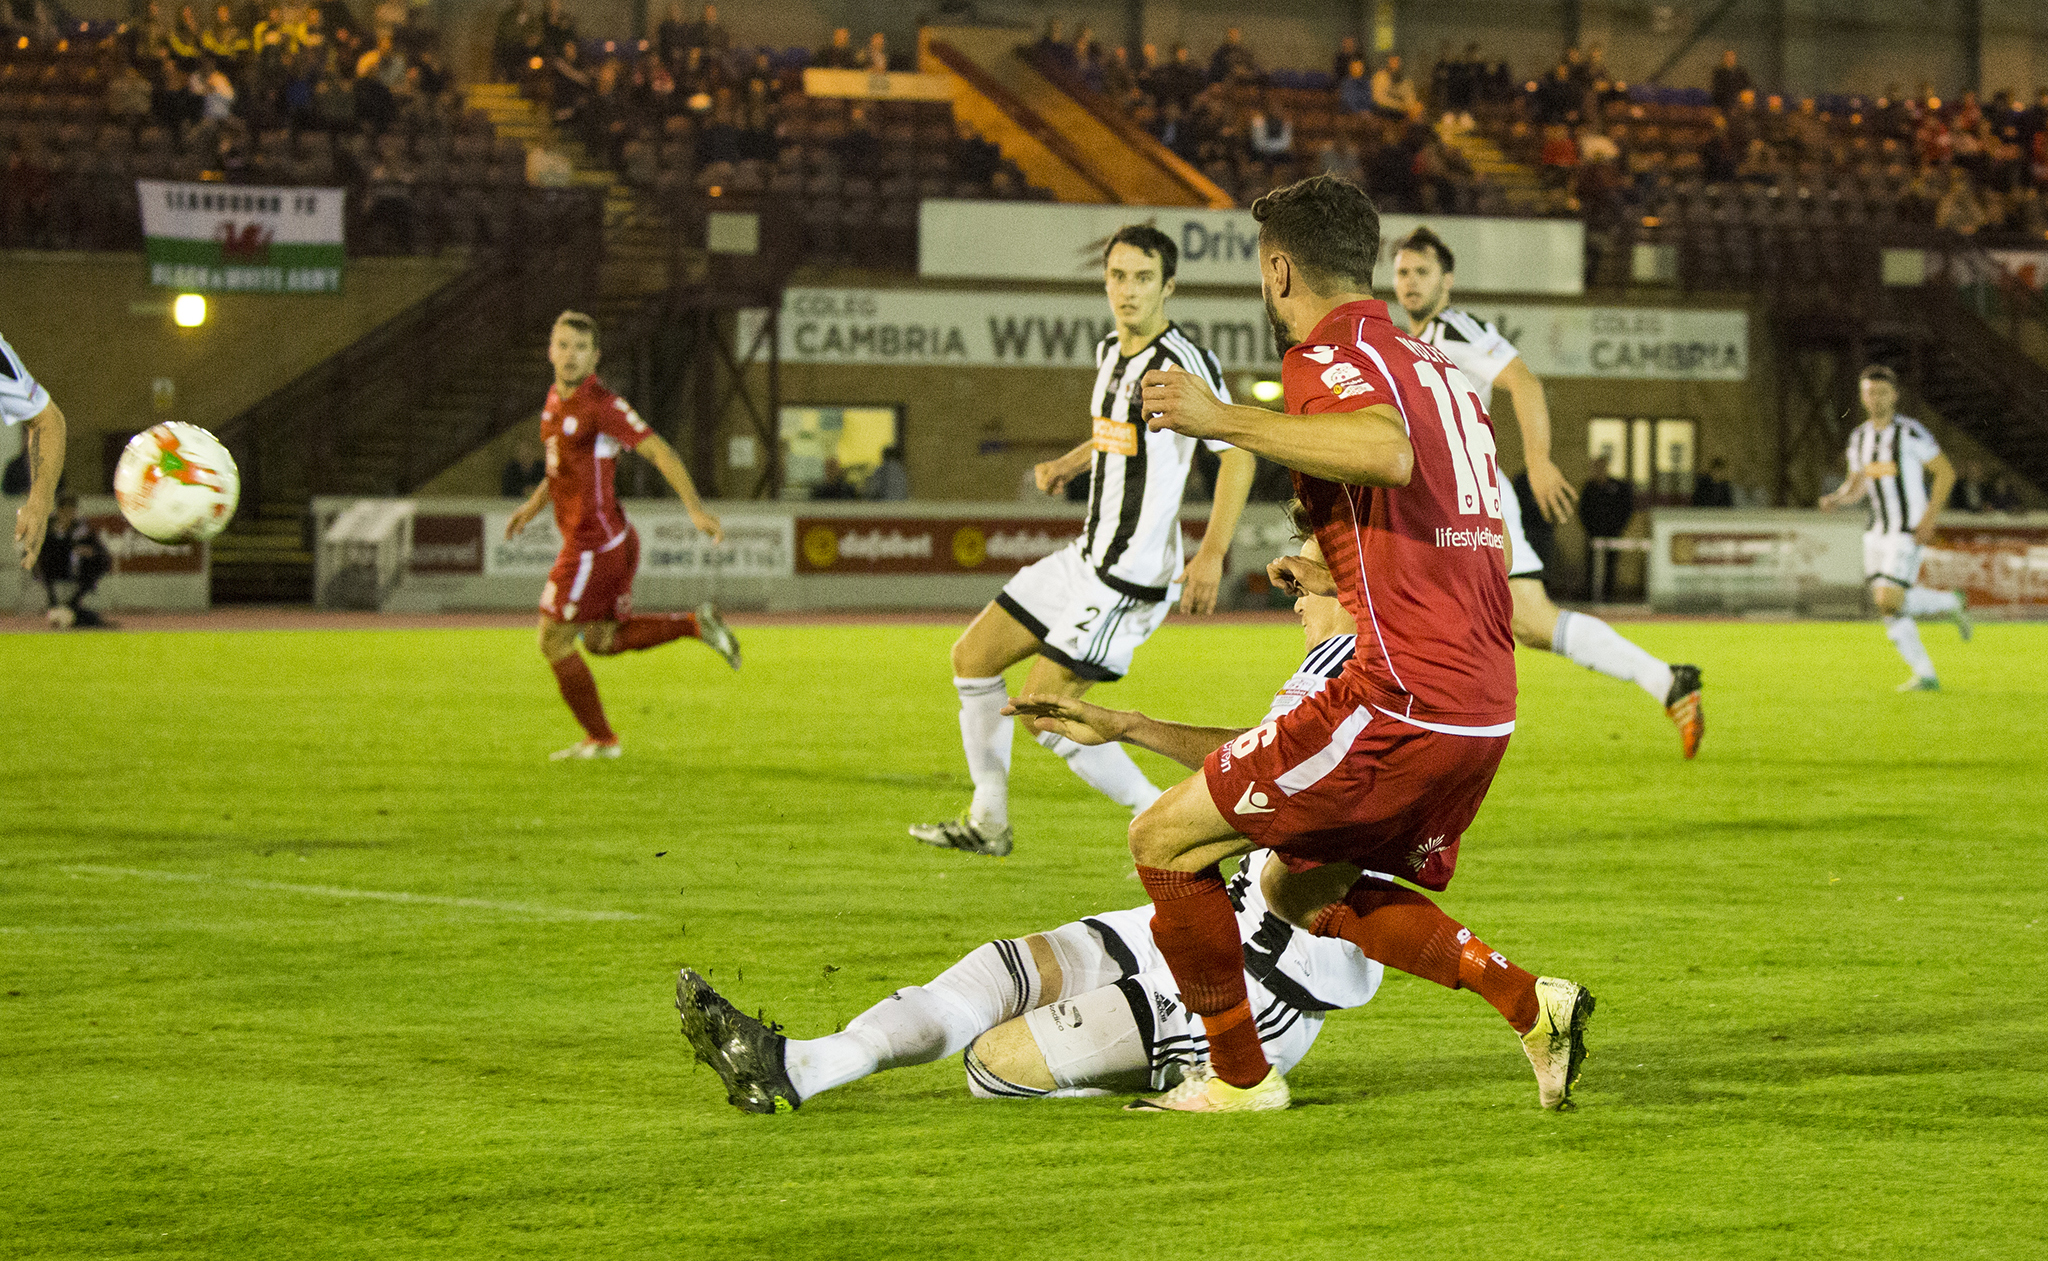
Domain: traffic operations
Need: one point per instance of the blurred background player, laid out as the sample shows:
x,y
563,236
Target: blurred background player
x,y
1085,609
589,592
1423,275
1385,768
1890,459
23,402
1087,1008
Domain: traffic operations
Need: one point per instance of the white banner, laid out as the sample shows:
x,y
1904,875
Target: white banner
x,y
1011,240
943,328
670,547
242,237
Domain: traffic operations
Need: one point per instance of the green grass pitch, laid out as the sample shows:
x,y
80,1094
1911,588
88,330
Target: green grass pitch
x,y
308,951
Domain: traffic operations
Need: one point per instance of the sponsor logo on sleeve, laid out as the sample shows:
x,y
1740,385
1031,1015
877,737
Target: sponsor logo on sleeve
x,y
1338,374
1320,354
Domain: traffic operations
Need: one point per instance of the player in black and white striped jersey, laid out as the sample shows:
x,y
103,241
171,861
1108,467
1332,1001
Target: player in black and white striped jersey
x,y
1083,610
1087,1008
1890,459
1423,275
23,402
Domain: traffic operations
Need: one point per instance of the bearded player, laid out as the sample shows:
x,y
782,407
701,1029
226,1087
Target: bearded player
x,y
1383,770
1424,271
1083,1009
589,593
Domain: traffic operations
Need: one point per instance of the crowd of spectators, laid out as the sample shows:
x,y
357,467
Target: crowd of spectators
x,y
1249,130
293,94
689,112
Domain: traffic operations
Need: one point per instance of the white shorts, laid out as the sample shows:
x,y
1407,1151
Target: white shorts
x,y
1080,621
1136,1034
1895,557
1523,562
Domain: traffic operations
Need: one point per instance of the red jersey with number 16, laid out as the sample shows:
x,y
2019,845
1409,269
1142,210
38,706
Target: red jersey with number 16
x,y
584,434
1418,566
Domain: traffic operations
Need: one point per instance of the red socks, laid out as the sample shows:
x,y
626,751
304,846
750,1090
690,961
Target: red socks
x,y
650,630
1405,930
579,689
1196,928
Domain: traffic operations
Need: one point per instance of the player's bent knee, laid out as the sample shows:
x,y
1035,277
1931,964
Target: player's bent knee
x,y
1005,1063
602,638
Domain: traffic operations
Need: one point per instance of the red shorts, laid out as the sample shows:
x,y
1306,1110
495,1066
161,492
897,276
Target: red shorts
x,y
593,586
1340,780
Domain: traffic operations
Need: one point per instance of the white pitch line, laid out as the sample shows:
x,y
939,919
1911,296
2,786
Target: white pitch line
x,y
334,891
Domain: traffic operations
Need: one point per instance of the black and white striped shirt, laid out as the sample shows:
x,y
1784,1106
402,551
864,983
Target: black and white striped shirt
x,y
1132,539
1894,459
1476,347
20,397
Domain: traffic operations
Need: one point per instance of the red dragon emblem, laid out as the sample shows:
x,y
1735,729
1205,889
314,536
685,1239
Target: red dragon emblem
x,y
250,242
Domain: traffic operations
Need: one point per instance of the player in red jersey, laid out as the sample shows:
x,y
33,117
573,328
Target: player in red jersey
x,y
1393,464
589,593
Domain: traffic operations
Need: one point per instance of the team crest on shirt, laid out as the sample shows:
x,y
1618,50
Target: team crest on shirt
x,y
569,425
1427,850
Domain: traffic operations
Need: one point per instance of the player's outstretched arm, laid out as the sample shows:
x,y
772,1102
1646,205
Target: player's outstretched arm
x,y
1202,578
1052,476
528,510
670,465
1367,447
1091,724
45,439
1554,496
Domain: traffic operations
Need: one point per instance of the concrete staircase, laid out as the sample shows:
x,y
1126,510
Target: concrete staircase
x,y
1519,184
638,241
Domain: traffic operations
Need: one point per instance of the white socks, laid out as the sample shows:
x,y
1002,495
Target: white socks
x,y
921,1023
985,735
1904,633
1928,602
1107,769
1597,646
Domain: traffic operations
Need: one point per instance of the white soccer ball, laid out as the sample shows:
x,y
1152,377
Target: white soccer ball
x,y
176,483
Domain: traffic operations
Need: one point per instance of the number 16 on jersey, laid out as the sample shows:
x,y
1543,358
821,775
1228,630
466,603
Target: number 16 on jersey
x,y
1473,456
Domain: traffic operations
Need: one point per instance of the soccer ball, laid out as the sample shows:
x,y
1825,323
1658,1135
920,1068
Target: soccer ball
x,y
176,483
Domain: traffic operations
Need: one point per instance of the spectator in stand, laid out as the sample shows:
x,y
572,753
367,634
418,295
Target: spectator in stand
x,y
875,60
1559,157
1232,62
225,40
1087,52
1393,92
840,54
128,95
557,28
72,553
1712,489
2005,495
1340,64
523,472
1730,81
1270,136
1179,80
1960,209
708,33
1973,490
671,37
185,35
217,97
1560,98
1053,47
153,32
569,81
1354,91
513,40
1119,80
890,482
